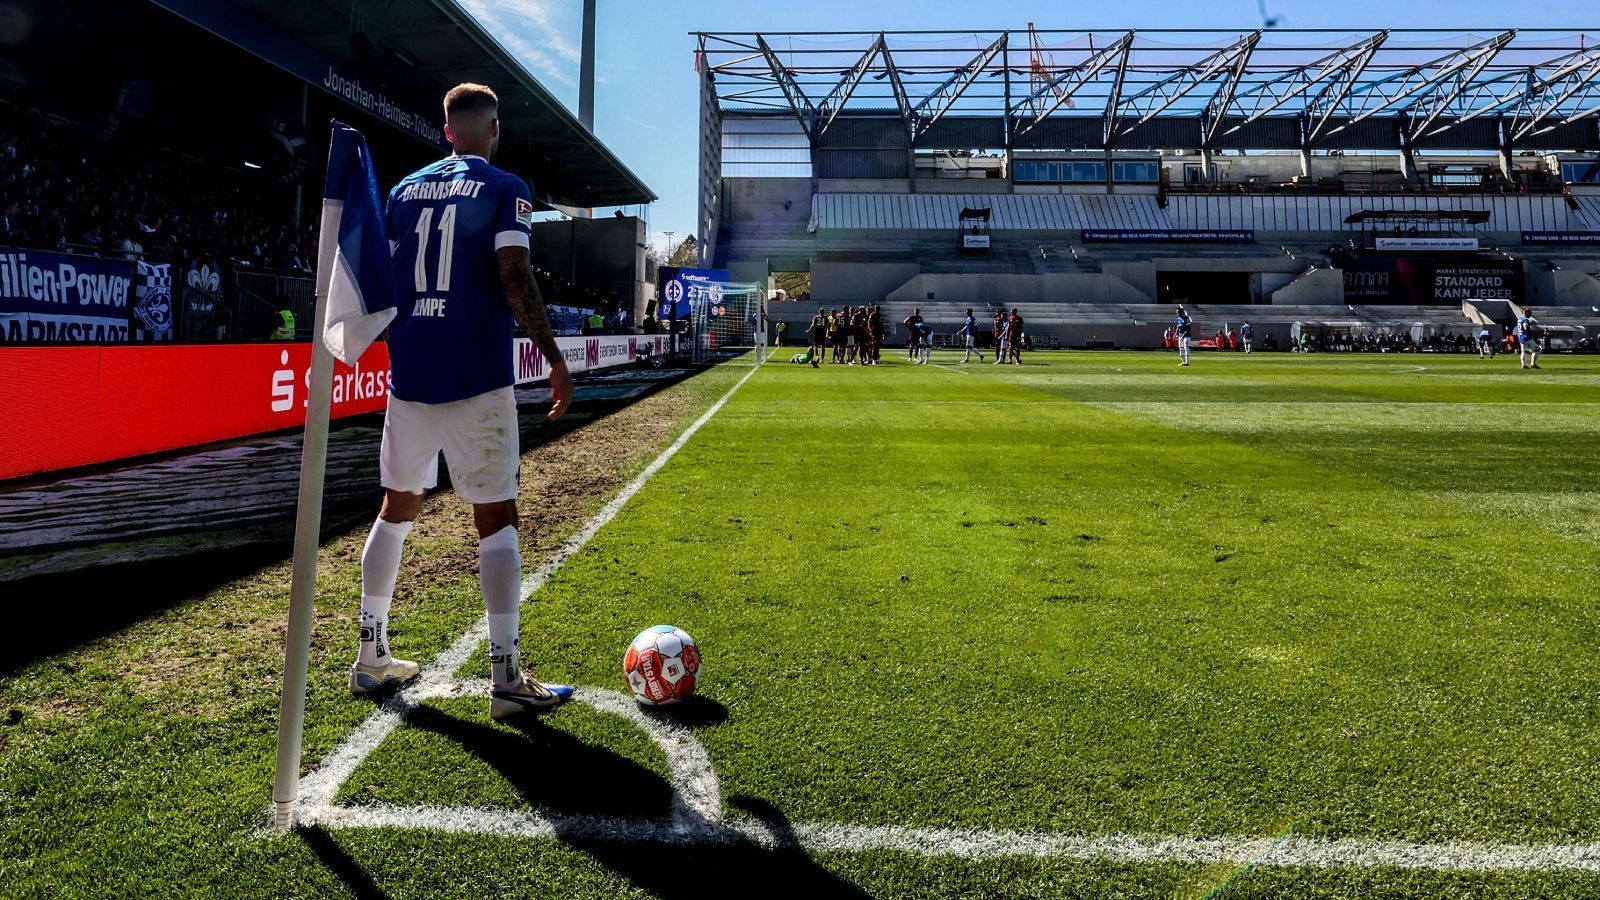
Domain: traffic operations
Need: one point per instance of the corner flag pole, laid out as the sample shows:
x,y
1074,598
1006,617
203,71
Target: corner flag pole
x,y
307,536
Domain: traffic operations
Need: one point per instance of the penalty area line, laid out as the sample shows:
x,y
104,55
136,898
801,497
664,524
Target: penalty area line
x,y
318,787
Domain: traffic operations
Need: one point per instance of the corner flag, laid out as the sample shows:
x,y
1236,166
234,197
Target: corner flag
x,y
355,302
361,293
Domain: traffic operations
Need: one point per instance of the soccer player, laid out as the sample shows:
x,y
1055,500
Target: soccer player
x,y
924,342
1528,334
877,334
1485,343
819,337
913,331
450,353
1185,326
836,334
1016,336
1002,339
969,328
1246,334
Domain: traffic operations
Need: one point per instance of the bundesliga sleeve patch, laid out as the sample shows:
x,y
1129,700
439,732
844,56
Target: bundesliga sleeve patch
x,y
524,212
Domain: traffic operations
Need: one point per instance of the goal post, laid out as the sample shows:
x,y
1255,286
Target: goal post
x,y
729,322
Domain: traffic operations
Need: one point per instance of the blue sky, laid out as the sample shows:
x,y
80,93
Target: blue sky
x,y
647,98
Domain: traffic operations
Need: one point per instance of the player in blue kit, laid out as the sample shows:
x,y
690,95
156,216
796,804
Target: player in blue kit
x,y
1185,329
458,231
969,328
1529,335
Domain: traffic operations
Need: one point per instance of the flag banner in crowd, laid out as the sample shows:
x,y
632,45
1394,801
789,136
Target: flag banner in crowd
x,y
58,298
152,310
358,276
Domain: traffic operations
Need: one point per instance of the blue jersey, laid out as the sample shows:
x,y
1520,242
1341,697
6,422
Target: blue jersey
x,y
1183,325
972,325
1247,330
452,338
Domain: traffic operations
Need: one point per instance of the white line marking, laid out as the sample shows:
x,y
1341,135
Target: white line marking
x,y
952,368
697,802
984,844
319,787
697,793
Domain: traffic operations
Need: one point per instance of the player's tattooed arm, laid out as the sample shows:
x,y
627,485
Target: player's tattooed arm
x,y
522,293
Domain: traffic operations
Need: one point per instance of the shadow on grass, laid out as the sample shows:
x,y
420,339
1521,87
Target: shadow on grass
x,y
553,770
560,774
340,864
696,712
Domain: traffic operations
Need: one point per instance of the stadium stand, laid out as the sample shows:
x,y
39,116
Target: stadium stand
x,y
65,186
1385,200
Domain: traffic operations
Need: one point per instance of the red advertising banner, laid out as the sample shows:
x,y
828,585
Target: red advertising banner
x,y
63,407
74,406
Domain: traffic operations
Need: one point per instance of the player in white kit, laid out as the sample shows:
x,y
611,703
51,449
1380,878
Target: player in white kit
x,y
458,234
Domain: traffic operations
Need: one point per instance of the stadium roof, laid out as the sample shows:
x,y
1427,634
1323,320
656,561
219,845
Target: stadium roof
x,y
1155,88
420,48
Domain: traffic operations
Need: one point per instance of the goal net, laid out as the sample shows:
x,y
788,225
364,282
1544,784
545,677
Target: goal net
x,y
729,321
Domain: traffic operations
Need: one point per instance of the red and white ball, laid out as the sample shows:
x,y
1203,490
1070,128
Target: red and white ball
x,y
662,665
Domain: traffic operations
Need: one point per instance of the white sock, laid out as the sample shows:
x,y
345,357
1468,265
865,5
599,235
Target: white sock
x,y
380,566
500,578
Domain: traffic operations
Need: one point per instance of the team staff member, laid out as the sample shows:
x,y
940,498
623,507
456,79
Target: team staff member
x,y
459,231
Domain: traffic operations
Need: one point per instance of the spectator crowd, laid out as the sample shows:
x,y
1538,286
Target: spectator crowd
x,y
66,188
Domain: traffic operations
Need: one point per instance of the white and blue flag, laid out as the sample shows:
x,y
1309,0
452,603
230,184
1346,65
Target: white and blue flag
x,y
353,259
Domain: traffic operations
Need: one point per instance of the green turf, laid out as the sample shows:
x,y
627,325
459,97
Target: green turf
x,y
1348,596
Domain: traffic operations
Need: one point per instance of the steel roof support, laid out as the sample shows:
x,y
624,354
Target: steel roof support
x,y
1110,120
829,108
798,102
901,100
1463,77
1424,79
1345,63
1326,101
1230,61
1072,80
941,98
1581,78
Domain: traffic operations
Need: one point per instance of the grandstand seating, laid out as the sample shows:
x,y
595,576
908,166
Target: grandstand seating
x,y
71,188
1264,214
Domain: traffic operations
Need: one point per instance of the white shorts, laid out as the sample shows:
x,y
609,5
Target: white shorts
x,y
478,436
972,341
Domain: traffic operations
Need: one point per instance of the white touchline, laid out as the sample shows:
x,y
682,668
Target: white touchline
x,y
696,816
319,787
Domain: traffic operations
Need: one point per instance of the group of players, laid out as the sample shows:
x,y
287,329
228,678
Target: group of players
x,y
855,334
856,337
1528,336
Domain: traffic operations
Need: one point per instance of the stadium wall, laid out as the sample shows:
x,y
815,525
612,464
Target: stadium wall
x,y
855,282
66,407
1007,289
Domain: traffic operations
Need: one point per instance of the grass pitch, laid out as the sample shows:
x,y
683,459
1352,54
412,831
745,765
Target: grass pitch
x,y
1319,597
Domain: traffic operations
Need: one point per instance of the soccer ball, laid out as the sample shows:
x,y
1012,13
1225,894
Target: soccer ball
x,y
661,665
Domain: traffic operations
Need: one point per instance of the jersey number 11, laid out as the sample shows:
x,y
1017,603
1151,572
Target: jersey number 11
x,y
447,248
